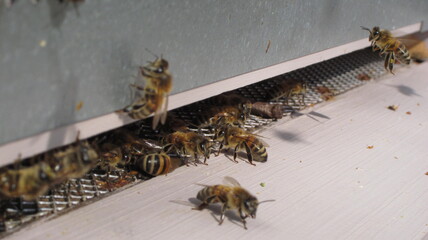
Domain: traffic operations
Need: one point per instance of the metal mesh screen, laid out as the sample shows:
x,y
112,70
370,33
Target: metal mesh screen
x,y
338,75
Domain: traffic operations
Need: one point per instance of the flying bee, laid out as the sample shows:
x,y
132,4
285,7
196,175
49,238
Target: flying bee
x,y
154,99
393,49
28,183
73,162
232,196
185,143
290,88
237,138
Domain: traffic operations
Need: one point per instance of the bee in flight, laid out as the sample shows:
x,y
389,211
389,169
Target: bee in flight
x,y
393,49
28,183
232,196
154,95
237,138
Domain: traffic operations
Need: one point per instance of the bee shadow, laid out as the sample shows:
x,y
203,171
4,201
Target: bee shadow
x,y
215,210
405,90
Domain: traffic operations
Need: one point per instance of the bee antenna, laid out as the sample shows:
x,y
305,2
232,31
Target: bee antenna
x,y
265,201
151,52
365,28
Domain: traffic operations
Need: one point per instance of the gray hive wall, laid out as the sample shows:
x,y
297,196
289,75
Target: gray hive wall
x,y
54,55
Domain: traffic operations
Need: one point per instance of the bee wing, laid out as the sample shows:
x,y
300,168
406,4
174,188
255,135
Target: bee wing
x,y
161,111
258,137
416,46
231,181
150,143
165,108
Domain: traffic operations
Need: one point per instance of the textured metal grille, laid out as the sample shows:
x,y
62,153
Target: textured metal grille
x,y
338,75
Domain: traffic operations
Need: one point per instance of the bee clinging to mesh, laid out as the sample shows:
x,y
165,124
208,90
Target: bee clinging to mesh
x,y
232,196
393,49
154,94
290,88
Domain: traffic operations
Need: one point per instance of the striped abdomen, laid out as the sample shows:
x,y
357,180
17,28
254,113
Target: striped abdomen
x,y
144,107
401,52
220,191
155,164
258,150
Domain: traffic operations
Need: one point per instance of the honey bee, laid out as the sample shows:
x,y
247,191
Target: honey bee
x,y
121,148
156,164
391,47
73,162
32,181
230,99
232,196
237,138
186,143
154,99
220,115
290,88
28,183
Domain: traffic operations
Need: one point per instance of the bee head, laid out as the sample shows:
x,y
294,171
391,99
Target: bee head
x,y
159,66
204,147
374,33
250,206
88,154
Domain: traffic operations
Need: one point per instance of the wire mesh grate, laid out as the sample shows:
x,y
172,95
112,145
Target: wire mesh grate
x,y
337,75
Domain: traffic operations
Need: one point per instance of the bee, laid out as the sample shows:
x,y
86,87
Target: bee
x,y
121,148
232,196
230,99
156,164
237,138
290,88
72,162
154,99
393,49
28,183
220,115
186,143
54,168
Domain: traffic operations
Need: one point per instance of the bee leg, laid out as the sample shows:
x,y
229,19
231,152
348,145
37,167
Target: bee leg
x,y
137,87
223,210
201,206
219,149
205,203
391,62
235,153
249,154
243,217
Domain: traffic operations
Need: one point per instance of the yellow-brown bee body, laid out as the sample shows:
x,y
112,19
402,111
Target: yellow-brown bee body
x,y
237,138
393,49
220,115
155,164
232,196
154,99
189,143
290,88
74,161
28,183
